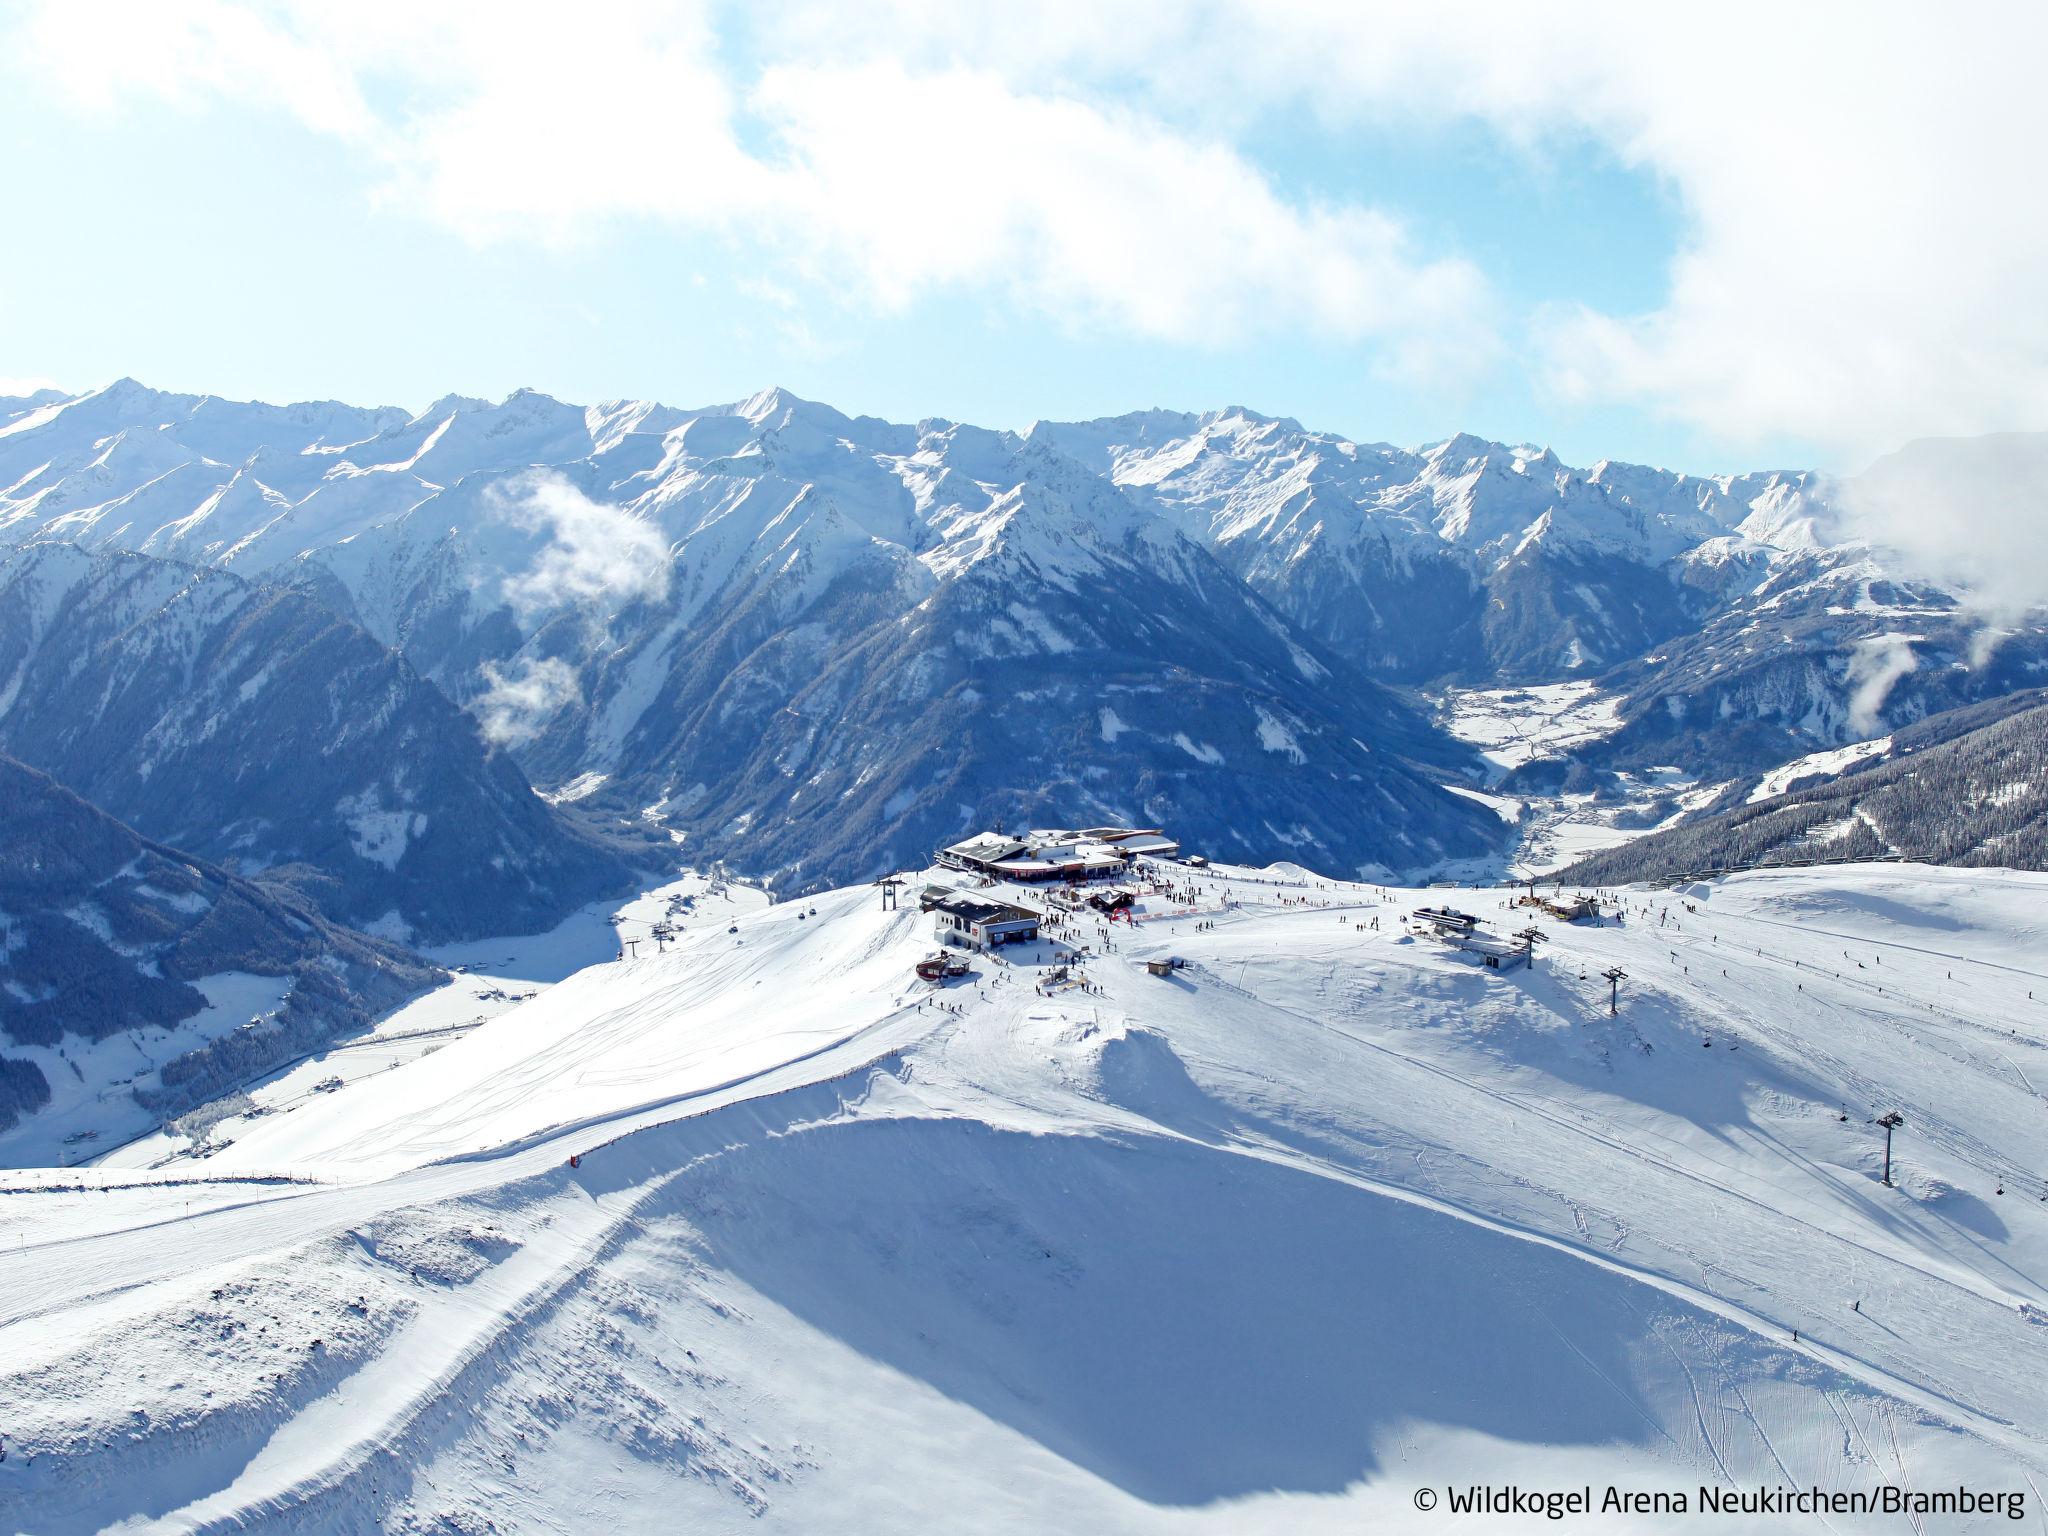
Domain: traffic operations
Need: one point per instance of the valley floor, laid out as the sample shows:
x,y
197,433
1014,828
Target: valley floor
x,y
1513,726
758,1231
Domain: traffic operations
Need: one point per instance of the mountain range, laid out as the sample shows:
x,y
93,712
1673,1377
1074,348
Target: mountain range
x,y
815,645
253,726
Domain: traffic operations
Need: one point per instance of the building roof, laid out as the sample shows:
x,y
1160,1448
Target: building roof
x,y
987,847
1146,842
974,910
1060,858
1485,944
1445,916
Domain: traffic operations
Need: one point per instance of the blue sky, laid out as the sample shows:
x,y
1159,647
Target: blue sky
x,y
330,216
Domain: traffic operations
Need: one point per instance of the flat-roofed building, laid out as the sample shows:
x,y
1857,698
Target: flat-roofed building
x,y
984,924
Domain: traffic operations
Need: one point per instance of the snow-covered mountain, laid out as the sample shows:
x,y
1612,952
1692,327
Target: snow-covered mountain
x,y
137,982
1466,559
254,727
1739,602
819,644
810,642
749,1235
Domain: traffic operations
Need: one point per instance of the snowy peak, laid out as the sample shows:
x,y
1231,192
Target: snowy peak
x,y
1055,515
611,422
1101,443
1457,453
450,405
775,407
1785,515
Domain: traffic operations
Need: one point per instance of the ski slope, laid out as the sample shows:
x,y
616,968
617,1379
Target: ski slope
x,y
1326,1216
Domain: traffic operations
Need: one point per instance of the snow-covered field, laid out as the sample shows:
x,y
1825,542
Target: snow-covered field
x,y
1830,762
1514,726
1325,1217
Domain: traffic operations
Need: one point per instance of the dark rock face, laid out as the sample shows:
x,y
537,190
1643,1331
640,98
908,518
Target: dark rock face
x,y
1020,695
103,932
257,728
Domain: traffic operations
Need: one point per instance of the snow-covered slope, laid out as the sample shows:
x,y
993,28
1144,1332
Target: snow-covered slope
x,y
137,982
761,1234
1465,558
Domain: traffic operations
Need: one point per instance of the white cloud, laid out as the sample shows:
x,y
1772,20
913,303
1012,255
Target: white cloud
x,y
103,51
1970,511
1875,666
20,386
516,706
1861,240
1094,215
595,554
876,183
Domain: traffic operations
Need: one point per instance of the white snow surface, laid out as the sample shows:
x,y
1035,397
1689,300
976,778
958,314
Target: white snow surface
x,y
1829,763
1326,1216
1512,726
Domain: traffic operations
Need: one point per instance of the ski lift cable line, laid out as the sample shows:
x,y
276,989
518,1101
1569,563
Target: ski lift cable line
x,y
1806,971
1963,1145
1858,938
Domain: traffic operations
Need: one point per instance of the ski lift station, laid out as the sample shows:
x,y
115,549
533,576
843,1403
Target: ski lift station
x,y
1460,930
983,924
1570,909
1445,921
1494,954
1067,870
